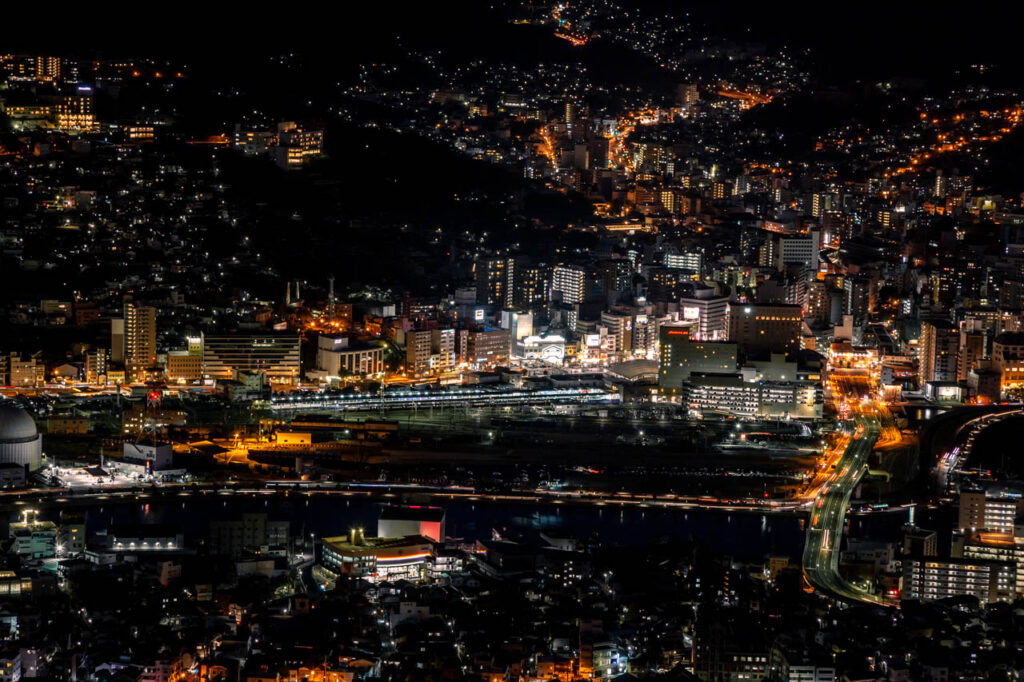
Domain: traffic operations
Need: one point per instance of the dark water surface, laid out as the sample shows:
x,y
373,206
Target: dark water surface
x,y
742,534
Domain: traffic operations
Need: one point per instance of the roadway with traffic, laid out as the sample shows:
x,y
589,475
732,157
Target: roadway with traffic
x,y
828,518
853,391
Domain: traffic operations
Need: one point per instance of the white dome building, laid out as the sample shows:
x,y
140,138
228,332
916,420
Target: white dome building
x,y
20,442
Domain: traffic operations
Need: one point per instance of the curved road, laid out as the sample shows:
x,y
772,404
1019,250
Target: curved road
x,y
828,517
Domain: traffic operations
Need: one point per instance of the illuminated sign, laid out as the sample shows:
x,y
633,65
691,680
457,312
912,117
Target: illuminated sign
x,y
691,313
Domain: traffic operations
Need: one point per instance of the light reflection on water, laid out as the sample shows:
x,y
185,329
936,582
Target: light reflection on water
x,y
748,534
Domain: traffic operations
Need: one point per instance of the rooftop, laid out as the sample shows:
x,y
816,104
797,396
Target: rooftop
x,y
412,513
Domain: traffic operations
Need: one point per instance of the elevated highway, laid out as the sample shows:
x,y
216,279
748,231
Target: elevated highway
x,y
828,518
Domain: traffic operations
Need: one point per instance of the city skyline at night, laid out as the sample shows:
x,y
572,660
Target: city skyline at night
x,y
557,340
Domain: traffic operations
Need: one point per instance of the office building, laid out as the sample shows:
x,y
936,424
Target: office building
x,y
486,347
679,355
519,326
799,250
760,328
429,350
442,349
618,328
730,394
183,367
985,384
417,351
276,355
791,661
548,349
339,356
817,301
708,310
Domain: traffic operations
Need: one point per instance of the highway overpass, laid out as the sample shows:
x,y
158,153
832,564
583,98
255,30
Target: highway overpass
x,y
828,518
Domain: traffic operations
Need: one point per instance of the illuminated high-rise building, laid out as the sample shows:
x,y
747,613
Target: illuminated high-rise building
x,y
679,355
530,286
619,326
709,310
818,302
972,352
798,250
570,282
690,261
74,112
47,69
822,203
994,510
494,280
417,351
858,298
938,349
27,68
96,366
765,328
139,339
